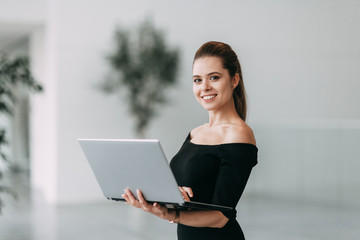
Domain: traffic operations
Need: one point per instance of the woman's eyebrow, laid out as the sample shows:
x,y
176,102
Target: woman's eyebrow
x,y
212,73
209,74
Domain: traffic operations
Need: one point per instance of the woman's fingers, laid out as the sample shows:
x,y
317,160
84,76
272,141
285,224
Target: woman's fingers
x,y
184,195
130,199
156,209
189,191
186,192
143,204
140,196
126,198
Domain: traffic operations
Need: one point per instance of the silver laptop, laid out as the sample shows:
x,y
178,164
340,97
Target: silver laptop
x,y
136,164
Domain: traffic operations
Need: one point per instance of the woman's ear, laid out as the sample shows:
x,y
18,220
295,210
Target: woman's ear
x,y
235,80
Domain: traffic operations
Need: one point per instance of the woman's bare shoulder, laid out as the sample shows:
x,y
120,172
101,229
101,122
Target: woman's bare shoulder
x,y
240,133
197,130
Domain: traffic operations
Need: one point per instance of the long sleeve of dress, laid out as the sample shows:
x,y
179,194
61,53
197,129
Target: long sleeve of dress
x,y
236,162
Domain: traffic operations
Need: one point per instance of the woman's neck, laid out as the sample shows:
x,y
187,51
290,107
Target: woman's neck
x,y
225,115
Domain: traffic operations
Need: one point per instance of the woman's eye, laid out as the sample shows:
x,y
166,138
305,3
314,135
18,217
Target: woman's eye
x,y
197,80
214,78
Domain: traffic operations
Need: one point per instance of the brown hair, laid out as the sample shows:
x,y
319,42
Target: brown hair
x,y
230,62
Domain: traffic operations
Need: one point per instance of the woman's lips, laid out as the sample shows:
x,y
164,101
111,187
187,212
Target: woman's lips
x,y
208,97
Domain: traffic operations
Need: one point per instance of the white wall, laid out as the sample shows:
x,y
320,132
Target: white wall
x,y
299,60
309,162
305,55
22,12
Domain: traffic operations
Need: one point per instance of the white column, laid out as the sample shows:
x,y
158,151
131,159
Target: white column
x,y
43,114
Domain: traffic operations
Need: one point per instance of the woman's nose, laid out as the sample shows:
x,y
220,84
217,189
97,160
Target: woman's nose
x,y
206,86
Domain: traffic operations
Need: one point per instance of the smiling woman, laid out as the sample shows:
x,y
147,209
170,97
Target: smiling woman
x,y
215,161
222,57
212,84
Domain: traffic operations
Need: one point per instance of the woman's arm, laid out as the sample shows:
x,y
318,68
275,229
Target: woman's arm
x,y
193,218
197,218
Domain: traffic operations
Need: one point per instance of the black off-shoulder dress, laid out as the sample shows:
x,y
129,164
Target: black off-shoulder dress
x,y
217,174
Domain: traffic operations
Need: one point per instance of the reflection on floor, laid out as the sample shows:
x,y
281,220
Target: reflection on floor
x,y
30,218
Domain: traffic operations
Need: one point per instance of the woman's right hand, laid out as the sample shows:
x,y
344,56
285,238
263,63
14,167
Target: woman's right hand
x,y
155,208
186,193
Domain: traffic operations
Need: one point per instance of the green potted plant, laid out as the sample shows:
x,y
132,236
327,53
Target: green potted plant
x,y
14,72
144,66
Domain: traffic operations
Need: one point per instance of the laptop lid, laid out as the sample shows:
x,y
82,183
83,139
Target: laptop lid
x,y
136,164
131,163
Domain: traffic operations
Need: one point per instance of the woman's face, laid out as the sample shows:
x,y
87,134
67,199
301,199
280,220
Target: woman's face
x,y
212,84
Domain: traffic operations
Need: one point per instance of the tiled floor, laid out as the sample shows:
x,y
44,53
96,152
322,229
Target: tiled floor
x,y
30,218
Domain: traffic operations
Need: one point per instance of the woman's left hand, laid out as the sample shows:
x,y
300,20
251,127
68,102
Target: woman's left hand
x,y
156,209
186,193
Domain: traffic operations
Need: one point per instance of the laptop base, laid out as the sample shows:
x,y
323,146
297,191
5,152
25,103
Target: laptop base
x,y
187,205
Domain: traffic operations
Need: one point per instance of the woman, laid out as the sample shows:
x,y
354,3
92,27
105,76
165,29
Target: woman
x,y
215,161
